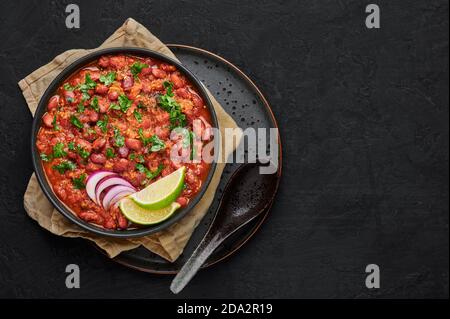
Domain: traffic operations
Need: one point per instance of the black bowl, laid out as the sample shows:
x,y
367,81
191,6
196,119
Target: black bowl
x,y
40,174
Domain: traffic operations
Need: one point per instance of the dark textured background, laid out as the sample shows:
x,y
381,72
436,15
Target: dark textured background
x,y
364,123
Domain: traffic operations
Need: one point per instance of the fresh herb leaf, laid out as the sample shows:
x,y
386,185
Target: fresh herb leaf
x,y
80,108
140,167
137,67
140,105
78,182
119,140
108,79
110,153
141,158
169,88
157,144
55,125
145,140
58,150
132,156
170,105
69,87
138,116
103,124
114,106
45,157
82,152
94,104
124,103
71,146
85,96
149,174
88,84
76,122
64,166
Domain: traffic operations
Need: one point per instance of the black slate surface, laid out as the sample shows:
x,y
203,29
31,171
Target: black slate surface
x,y
364,121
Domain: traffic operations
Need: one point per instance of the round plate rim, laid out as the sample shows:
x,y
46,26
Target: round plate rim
x,y
266,213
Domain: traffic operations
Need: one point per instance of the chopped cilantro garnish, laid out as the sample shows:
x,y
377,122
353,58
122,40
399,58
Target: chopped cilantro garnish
x,y
138,116
78,182
45,157
82,152
119,140
103,124
110,153
170,105
124,103
149,174
76,122
108,79
137,67
64,166
58,150
55,125
80,108
157,144
94,104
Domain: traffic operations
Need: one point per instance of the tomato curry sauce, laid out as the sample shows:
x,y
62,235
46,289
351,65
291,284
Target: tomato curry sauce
x,y
116,114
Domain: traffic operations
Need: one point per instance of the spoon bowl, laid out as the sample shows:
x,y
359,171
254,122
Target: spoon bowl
x,y
246,195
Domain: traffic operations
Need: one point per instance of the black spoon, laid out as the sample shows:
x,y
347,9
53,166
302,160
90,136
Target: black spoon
x,y
247,194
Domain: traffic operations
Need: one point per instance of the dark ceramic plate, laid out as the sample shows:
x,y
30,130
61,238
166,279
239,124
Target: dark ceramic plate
x,y
41,109
244,102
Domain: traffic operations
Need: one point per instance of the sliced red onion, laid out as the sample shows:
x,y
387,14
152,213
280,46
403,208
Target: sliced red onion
x,y
107,182
92,181
115,201
115,191
91,68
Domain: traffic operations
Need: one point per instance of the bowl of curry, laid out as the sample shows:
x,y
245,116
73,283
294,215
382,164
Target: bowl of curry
x,y
114,112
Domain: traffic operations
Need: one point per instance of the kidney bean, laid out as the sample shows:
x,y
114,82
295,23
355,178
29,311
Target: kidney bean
x,y
99,144
127,82
146,123
101,89
113,95
177,80
98,158
48,120
103,106
183,93
146,71
123,151
162,132
103,62
121,165
93,116
53,103
167,67
95,75
197,100
133,144
158,73
84,144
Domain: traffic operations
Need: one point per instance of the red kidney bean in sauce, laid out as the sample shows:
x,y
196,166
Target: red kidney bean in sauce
x,y
104,135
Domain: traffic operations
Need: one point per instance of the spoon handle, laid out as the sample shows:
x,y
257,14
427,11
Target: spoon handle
x,y
190,268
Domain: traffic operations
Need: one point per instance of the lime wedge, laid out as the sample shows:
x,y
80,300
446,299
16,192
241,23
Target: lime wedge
x,y
162,192
142,216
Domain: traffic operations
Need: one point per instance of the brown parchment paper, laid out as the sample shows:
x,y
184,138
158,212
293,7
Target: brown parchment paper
x,y
168,243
